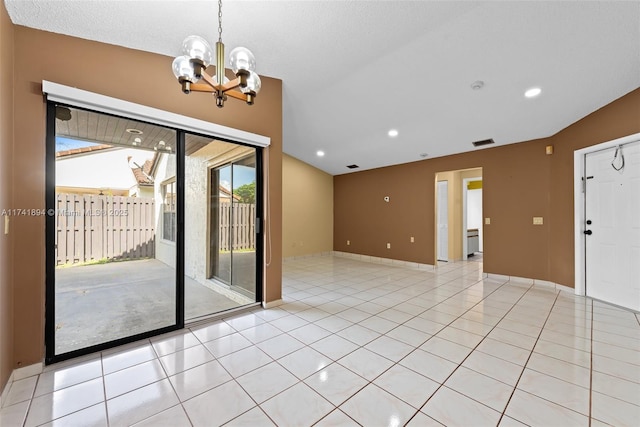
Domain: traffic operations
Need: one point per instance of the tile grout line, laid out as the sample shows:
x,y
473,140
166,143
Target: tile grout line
x,y
459,288
33,397
524,367
368,382
591,367
474,348
104,389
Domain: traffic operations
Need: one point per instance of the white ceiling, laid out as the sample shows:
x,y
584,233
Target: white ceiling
x,y
352,70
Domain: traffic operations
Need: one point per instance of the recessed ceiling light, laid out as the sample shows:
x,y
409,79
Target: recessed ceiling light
x,y
533,92
393,133
320,153
134,131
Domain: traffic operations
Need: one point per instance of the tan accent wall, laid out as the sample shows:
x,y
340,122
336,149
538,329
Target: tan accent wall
x,y
519,182
307,209
132,75
6,195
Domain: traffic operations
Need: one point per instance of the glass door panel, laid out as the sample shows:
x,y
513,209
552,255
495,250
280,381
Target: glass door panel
x,y
114,242
210,224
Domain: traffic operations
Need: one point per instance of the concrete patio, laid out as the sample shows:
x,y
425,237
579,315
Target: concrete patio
x,y
100,303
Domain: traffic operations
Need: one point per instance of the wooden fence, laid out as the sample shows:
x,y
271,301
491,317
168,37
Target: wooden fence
x,y
237,226
93,228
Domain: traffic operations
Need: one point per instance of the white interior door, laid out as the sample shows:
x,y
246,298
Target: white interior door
x,y
612,225
443,221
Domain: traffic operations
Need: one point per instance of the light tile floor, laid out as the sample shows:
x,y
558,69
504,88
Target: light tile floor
x,y
367,344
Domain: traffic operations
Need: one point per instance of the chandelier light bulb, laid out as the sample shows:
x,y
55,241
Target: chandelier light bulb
x,y
254,84
241,58
196,47
183,69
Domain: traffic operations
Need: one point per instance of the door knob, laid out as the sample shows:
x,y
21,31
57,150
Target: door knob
x,y
588,222
588,232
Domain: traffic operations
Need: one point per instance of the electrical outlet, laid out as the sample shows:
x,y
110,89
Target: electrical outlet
x,y
412,239
487,221
348,242
388,245
537,220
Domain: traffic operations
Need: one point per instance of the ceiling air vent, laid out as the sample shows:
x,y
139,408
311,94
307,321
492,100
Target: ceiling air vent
x,y
353,166
483,142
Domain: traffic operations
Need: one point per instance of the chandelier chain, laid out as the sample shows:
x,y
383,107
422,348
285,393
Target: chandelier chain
x,y
220,21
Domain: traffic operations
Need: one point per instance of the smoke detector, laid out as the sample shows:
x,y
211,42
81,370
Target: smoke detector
x,y
477,85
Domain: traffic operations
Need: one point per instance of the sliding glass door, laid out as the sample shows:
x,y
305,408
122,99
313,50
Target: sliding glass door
x,y
148,227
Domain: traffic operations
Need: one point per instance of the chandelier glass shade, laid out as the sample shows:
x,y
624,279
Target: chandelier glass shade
x,y
191,69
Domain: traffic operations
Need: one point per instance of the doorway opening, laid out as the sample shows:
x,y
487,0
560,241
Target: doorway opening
x,y
473,238
459,225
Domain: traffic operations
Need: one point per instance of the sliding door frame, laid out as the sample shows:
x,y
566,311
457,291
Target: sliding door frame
x,y
57,94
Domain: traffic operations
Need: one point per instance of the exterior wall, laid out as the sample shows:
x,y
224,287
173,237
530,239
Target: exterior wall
x,y
519,182
142,191
106,69
165,170
307,212
196,230
6,196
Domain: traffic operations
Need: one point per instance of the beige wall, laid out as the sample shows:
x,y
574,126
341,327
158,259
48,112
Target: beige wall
x,y
519,182
132,75
6,195
307,209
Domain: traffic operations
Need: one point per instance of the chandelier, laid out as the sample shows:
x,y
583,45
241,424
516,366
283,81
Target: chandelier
x,y
190,69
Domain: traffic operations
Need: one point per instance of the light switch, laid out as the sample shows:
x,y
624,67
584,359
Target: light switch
x,y
537,220
412,239
348,242
6,224
487,221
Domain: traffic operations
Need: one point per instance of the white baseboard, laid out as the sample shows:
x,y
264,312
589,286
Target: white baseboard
x,y
528,281
27,371
427,267
498,277
521,280
272,304
19,374
5,390
544,283
383,261
296,257
564,288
